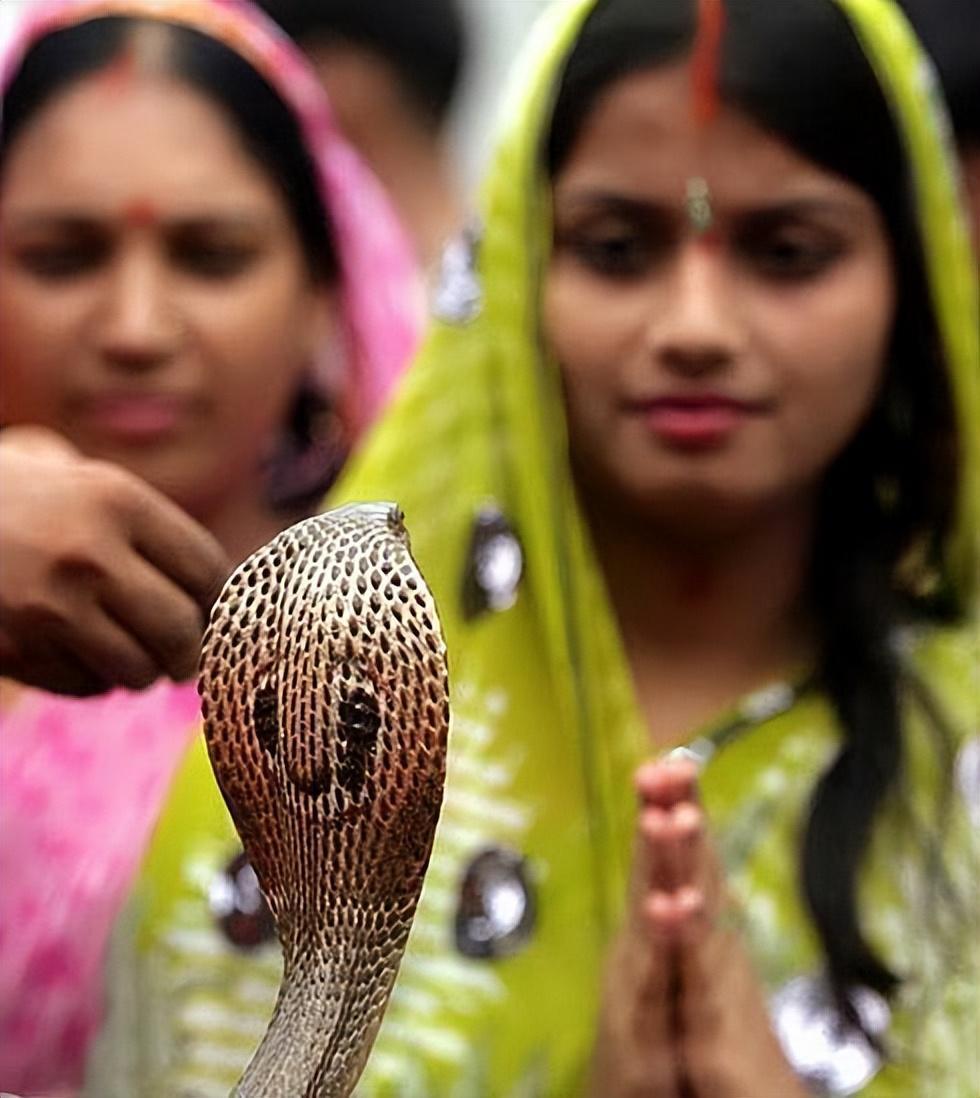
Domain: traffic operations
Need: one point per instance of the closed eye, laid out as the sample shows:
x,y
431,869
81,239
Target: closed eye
x,y
612,255
212,259
618,241
788,249
63,259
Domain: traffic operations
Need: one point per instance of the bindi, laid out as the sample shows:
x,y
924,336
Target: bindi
x,y
147,52
700,215
117,77
140,213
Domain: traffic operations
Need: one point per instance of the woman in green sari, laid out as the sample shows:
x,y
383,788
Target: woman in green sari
x,y
691,463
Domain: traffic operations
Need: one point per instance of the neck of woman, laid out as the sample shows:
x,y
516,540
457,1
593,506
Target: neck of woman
x,y
707,619
243,522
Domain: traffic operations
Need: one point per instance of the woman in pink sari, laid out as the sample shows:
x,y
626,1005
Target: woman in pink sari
x,y
205,300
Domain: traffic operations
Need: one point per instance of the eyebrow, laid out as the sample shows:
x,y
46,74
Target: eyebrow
x,y
67,220
613,202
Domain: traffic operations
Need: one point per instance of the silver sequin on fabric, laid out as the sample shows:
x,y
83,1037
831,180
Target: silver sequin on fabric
x,y
457,297
494,564
495,914
698,751
238,906
828,1056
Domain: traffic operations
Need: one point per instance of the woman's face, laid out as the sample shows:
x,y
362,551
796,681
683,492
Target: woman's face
x,y
157,309
710,375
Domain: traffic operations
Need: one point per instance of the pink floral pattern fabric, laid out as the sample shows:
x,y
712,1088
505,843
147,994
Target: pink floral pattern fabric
x,y
81,785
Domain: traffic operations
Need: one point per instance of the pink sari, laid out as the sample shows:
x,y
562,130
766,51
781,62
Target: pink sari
x,y
82,782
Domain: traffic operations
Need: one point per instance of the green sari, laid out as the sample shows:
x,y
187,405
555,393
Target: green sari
x,y
546,730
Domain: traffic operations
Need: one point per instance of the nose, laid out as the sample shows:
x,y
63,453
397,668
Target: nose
x,y
697,329
139,326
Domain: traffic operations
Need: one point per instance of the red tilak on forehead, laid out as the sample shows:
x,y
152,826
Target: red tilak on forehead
x,y
710,239
706,60
140,213
118,75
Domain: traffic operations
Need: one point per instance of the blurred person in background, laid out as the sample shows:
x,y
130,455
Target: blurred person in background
x,y
950,30
391,70
205,298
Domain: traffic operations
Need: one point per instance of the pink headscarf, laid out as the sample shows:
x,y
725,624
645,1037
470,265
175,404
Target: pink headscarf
x,y
82,781
381,286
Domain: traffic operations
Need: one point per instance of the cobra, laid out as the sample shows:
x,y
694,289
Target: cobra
x,y
325,699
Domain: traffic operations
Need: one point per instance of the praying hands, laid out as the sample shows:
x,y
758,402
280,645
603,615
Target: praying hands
x,y
683,1011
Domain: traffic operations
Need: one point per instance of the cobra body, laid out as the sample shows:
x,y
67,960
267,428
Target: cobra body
x,y
325,699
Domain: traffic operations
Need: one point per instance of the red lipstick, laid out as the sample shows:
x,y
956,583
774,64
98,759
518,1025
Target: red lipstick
x,y
136,418
697,421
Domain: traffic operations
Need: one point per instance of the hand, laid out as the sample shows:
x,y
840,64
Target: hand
x,y
726,1046
103,581
637,1049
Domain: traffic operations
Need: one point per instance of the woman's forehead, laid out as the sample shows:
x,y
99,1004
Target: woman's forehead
x,y
643,136
160,142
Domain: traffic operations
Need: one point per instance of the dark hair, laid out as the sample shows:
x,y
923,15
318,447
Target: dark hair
x,y
268,129
950,30
425,40
798,69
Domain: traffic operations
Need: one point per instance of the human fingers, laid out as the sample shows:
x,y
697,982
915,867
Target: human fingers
x,y
47,667
93,641
684,843
80,655
670,816
642,870
71,531
38,442
635,1050
158,614
655,834
676,917
693,910
673,838
679,905
667,781
178,546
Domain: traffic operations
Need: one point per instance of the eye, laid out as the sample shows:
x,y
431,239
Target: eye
x,y
61,260
791,254
213,259
617,253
